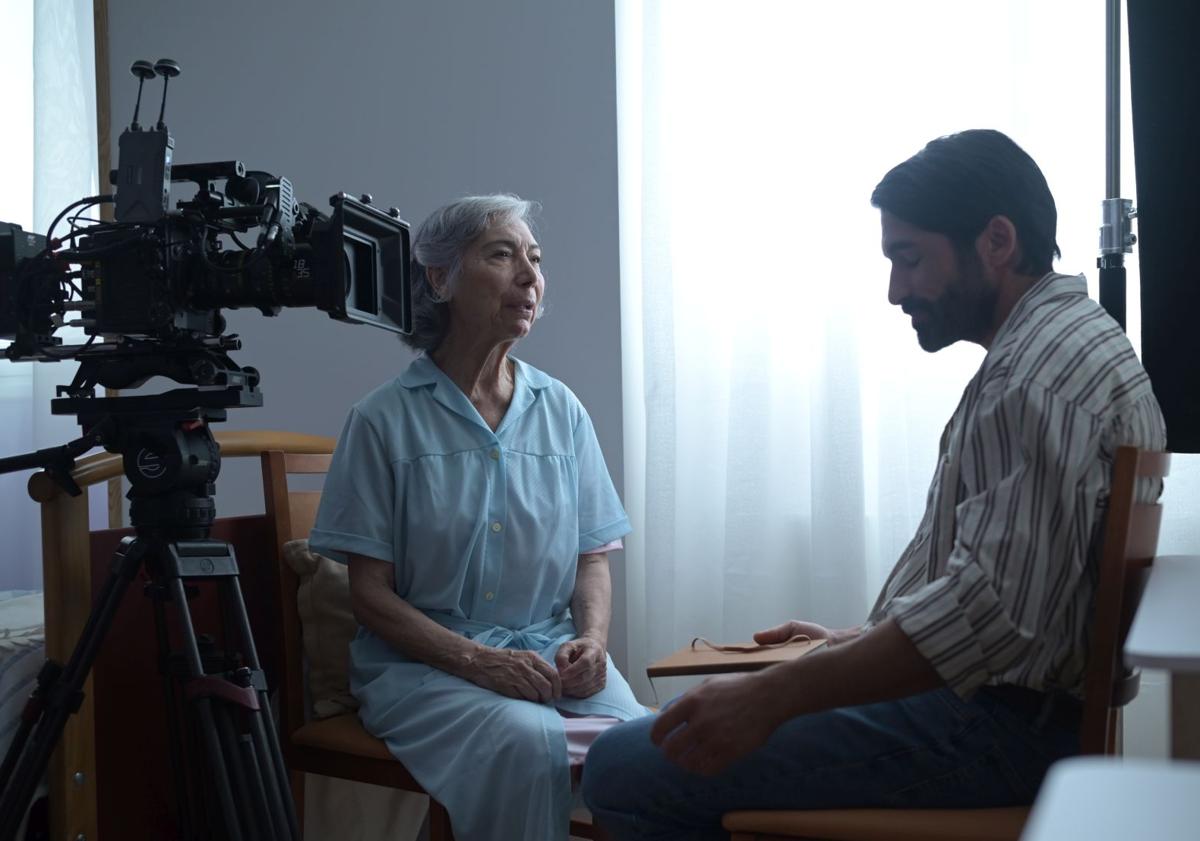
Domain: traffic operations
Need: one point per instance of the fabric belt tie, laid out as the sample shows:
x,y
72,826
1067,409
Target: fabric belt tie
x,y
530,638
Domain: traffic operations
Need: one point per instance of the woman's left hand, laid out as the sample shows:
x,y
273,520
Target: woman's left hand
x,y
582,666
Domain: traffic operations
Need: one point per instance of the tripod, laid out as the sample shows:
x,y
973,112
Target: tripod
x,y
236,788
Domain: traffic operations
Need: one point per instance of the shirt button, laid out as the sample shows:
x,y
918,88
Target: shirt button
x,y
496,526
489,596
495,454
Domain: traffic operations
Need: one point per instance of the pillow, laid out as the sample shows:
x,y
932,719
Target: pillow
x,y
327,626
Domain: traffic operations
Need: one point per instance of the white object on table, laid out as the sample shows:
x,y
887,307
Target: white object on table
x,y
1166,630
1166,635
1104,798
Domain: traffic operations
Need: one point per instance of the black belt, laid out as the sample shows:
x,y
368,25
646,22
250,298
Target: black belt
x,y
1057,708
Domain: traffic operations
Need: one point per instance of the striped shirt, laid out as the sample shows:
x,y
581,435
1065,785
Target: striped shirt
x,y
997,584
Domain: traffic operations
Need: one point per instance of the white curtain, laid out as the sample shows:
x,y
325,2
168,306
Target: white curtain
x,y
781,423
48,147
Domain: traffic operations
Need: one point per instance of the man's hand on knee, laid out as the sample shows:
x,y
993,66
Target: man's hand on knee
x,y
717,723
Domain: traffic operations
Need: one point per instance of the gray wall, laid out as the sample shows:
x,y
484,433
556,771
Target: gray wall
x,y
416,103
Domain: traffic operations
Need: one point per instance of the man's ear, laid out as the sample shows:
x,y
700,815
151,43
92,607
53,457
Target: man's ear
x,y
997,244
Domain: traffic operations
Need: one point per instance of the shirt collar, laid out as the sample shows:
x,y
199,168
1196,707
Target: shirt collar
x,y
1052,285
533,378
422,371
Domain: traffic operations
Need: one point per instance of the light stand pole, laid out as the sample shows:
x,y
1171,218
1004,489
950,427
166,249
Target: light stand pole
x,y
1116,214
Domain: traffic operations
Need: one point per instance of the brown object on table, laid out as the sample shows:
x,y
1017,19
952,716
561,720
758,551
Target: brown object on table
x,y
702,658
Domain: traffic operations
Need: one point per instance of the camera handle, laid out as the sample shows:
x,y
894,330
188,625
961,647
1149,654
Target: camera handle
x,y
59,461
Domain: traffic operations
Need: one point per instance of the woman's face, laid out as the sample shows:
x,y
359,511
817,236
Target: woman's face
x,y
500,285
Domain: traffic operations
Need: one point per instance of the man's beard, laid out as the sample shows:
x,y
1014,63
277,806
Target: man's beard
x,y
963,311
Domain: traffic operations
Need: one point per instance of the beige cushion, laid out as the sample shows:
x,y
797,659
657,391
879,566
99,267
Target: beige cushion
x,y
327,625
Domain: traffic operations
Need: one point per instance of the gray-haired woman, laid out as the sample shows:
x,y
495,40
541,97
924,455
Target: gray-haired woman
x,y
471,500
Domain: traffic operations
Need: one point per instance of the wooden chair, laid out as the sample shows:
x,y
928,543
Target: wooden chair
x,y
338,746
1130,542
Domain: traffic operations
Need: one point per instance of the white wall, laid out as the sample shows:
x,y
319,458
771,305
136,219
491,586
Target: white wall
x,y
416,103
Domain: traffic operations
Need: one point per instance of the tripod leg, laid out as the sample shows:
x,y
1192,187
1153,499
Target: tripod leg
x,y
263,725
251,817
254,771
48,675
183,805
280,813
218,761
201,790
246,750
59,700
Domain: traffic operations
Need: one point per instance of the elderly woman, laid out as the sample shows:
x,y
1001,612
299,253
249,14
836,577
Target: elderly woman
x,y
471,500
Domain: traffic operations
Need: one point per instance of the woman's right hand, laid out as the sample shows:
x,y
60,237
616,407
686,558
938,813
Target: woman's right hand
x,y
784,632
515,674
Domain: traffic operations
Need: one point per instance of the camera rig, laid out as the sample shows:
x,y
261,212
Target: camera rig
x,y
147,289
149,286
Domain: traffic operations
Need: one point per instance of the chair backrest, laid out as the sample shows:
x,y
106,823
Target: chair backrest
x,y
1130,542
293,514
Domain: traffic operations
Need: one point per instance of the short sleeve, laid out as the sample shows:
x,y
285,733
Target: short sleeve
x,y
357,503
602,518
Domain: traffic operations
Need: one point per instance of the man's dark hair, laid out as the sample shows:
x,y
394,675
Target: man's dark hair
x,y
957,183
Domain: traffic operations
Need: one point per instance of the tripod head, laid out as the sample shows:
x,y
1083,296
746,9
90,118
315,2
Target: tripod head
x,y
168,452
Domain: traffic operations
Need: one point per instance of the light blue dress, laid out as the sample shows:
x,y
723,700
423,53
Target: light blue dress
x,y
485,529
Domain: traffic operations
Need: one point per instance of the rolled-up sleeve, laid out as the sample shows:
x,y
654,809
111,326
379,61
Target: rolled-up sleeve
x,y
356,514
1021,537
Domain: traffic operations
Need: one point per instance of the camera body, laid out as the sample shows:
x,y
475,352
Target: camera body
x,y
149,286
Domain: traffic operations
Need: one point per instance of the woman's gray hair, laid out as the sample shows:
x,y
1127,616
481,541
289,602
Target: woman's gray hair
x,y
440,242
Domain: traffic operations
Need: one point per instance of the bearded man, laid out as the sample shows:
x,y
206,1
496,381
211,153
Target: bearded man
x,y
965,682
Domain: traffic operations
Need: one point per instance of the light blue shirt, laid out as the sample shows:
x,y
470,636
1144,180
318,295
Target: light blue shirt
x,y
482,525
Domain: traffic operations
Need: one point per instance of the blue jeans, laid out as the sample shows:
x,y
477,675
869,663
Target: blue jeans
x,y
932,750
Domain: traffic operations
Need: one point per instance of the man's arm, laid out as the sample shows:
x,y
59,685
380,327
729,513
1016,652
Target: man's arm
x,y
724,719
